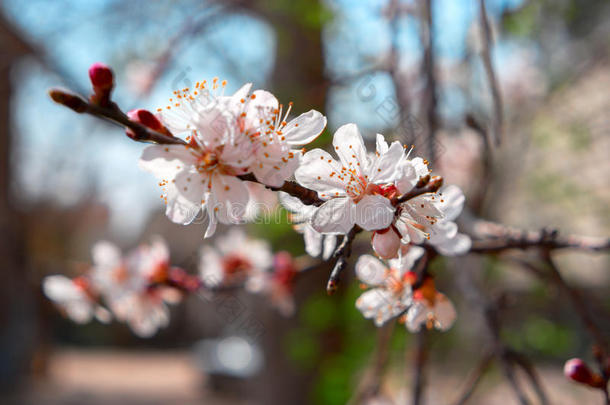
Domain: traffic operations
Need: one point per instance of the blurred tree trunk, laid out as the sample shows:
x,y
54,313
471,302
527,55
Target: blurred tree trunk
x,y
16,309
298,76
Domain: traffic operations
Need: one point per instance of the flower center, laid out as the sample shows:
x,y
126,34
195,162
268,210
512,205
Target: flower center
x,y
235,266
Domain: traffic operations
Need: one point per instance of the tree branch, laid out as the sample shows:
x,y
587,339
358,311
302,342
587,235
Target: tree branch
x,y
113,114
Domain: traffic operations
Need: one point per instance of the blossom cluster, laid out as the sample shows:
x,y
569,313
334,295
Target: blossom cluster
x,y
134,288
227,137
137,287
220,151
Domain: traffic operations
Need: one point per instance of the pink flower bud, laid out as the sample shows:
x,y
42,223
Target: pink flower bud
x,y
101,76
577,370
386,243
145,118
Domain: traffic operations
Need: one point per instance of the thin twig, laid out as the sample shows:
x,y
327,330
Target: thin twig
x,y
342,253
421,358
475,378
113,114
495,238
423,187
370,384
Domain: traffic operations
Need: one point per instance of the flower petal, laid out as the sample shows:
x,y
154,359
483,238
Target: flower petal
x,y
335,216
374,212
275,170
230,198
106,254
349,146
304,128
385,167
320,172
165,161
184,197
453,201
371,271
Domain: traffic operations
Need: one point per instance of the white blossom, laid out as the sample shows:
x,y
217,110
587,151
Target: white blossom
x,y
75,297
352,187
430,309
228,136
391,292
235,259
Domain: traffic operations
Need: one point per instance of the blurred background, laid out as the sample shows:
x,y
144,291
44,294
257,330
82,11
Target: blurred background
x,y
413,70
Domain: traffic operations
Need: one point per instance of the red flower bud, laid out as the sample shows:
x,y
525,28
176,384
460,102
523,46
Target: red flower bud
x,y
145,118
577,370
101,76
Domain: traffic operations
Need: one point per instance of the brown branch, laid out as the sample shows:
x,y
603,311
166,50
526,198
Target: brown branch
x,y
113,114
341,254
370,384
498,120
424,186
475,378
419,373
510,238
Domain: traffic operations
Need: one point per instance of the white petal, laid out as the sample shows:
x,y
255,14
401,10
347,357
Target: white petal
x,y
106,254
261,105
407,259
304,128
165,161
381,305
385,167
417,316
274,172
60,288
184,197
210,267
320,172
230,198
330,242
442,231
212,221
313,241
406,176
453,202
349,146
458,245
370,270
381,144
374,212
335,216
240,94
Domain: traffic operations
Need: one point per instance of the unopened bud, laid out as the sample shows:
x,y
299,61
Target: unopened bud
x,y
147,119
70,100
101,76
102,79
386,243
577,370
